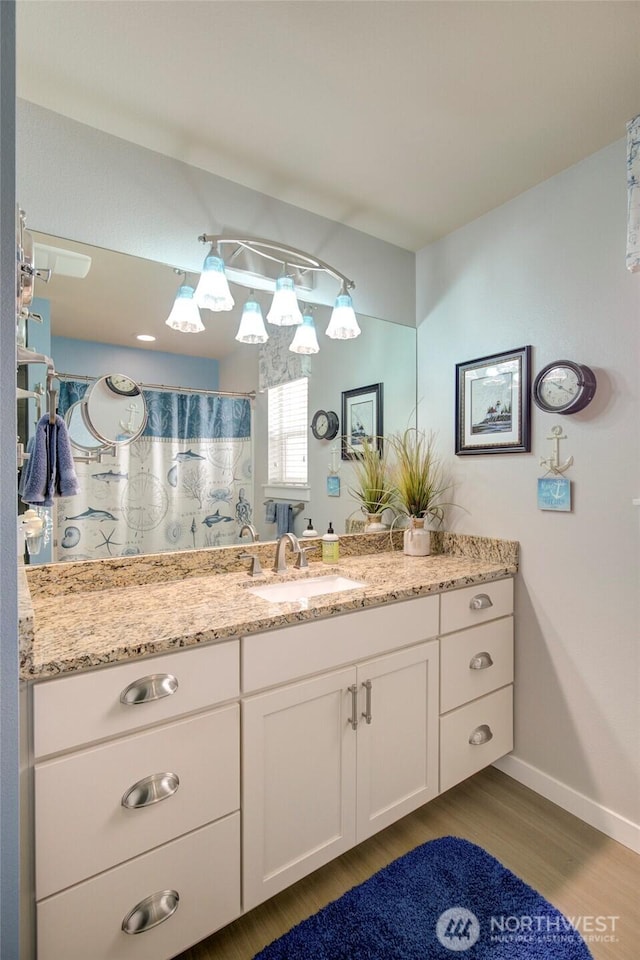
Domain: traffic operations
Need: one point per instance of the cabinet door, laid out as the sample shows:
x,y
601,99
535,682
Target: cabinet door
x,y
299,762
398,741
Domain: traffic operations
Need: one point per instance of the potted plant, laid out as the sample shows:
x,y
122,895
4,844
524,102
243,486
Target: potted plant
x,y
372,483
419,485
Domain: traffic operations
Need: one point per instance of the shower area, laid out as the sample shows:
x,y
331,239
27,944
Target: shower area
x,y
185,483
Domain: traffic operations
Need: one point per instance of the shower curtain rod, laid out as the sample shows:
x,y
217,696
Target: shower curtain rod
x,y
163,386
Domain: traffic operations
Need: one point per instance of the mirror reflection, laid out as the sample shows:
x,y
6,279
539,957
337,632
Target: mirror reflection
x,y
199,468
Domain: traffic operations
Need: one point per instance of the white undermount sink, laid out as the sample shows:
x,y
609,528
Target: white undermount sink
x,y
292,590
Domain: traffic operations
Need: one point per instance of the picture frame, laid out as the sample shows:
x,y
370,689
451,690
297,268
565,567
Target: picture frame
x,y
493,409
361,419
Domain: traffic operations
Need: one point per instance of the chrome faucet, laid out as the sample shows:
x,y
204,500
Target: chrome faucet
x,y
253,533
281,561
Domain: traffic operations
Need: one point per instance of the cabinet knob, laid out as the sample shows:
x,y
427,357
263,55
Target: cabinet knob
x,y
151,911
481,661
480,735
481,601
150,790
154,687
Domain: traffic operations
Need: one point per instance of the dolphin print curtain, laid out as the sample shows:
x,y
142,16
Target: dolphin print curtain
x,y
186,483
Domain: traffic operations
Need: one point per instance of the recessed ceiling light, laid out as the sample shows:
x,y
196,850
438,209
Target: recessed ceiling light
x,y
144,336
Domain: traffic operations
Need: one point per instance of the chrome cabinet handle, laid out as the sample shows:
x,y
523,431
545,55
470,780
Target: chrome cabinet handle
x,y
481,661
150,790
154,687
151,911
353,719
481,601
367,706
480,735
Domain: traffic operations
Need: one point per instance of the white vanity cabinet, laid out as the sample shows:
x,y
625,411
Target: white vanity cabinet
x,y
136,806
330,760
150,831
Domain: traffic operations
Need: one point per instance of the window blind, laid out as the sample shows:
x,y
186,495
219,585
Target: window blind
x,y
288,426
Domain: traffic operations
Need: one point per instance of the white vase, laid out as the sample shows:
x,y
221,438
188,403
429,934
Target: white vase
x,y
417,540
374,523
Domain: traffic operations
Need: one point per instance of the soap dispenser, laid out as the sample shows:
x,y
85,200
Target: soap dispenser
x,y
330,546
309,532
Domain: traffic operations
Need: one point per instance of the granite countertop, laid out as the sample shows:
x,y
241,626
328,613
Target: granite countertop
x,y
63,632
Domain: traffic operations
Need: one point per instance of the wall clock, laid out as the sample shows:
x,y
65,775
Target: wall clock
x,y
124,386
325,424
564,387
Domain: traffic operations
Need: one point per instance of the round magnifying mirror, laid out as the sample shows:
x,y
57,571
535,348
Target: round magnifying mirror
x,y
115,410
79,435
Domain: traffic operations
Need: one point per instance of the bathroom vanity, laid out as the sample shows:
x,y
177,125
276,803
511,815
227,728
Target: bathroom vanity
x,y
194,749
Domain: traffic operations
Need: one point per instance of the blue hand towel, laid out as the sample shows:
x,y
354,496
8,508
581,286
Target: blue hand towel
x,y
284,518
66,480
270,511
49,471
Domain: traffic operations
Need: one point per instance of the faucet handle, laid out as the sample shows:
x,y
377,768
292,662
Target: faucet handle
x,y
301,558
256,569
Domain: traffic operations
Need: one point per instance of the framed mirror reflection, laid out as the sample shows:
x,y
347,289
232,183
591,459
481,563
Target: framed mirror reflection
x,y
192,495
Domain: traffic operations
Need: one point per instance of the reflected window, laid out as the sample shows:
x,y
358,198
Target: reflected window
x,y
288,432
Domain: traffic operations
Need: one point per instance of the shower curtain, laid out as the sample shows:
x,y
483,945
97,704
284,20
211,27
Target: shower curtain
x,y
186,483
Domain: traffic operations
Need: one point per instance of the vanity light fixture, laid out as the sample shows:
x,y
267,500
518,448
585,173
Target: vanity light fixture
x,y
185,315
251,262
305,340
252,328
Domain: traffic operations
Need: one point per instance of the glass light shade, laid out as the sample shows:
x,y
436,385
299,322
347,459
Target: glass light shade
x,y
284,311
305,340
252,329
185,315
212,292
343,324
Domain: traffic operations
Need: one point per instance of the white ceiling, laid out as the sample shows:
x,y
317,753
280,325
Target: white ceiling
x,y
401,119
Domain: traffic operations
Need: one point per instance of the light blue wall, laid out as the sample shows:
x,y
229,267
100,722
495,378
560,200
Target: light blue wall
x,y
9,805
144,366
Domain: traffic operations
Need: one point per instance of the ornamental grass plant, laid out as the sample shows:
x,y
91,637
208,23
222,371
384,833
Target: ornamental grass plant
x,y
372,485
418,478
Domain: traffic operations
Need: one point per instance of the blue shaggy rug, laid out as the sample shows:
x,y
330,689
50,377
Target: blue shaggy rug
x,y
446,897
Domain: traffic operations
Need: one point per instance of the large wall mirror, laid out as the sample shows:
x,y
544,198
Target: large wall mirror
x,y
199,470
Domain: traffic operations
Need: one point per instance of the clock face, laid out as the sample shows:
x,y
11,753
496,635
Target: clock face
x,y
125,386
325,424
564,387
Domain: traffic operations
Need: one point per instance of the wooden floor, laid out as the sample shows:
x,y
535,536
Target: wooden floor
x,y
581,871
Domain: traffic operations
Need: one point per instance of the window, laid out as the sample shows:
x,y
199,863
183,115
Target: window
x,y
288,432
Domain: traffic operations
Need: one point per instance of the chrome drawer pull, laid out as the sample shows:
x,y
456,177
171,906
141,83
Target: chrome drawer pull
x,y
481,661
367,707
481,601
353,719
154,687
150,790
480,735
151,911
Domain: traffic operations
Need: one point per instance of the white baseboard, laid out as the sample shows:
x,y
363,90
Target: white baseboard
x,y
593,813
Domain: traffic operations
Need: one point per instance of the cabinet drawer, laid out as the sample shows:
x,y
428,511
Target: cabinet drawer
x,y
203,868
473,605
81,824
309,648
85,707
490,717
475,662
